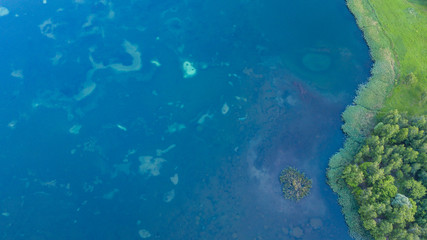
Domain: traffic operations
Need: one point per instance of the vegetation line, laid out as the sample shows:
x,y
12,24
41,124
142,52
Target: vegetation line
x,y
396,33
392,48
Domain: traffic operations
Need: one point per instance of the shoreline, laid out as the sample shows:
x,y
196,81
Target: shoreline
x,y
360,117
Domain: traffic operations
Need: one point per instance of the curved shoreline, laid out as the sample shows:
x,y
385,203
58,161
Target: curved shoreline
x,y
359,118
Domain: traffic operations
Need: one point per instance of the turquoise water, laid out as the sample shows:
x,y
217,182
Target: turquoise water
x,y
105,136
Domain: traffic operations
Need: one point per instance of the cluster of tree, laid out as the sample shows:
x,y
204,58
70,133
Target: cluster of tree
x,y
388,178
295,185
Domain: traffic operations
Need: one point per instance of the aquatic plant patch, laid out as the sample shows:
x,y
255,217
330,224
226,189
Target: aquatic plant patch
x,y
295,185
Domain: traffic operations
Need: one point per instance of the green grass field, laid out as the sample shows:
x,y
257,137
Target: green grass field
x,y
405,25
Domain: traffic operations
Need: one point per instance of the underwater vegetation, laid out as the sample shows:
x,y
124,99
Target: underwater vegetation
x,y
295,185
133,114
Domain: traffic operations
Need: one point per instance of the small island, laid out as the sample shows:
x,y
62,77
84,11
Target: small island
x,y
295,185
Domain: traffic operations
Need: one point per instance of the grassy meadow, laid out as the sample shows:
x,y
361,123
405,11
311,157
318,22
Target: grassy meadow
x,y
405,24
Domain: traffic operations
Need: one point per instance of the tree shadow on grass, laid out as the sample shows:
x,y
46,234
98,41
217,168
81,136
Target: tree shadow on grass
x,y
419,2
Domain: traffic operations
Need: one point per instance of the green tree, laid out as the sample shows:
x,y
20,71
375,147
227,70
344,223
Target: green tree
x,y
369,224
386,188
413,133
388,178
398,234
387,131
401,136
393,117
410,155
367,211
401,200
353,175
372,172
403,214
414,189
365,196
385,227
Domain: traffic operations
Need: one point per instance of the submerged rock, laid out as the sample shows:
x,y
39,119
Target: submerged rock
x,y
17,74
132,50
156,63
3,11
122,127
189,69
297,232
111,194
160,152
204,117
144,233
75,129
169,196
175,127
88,88
174,179
150,165
5,214
225,108
47,28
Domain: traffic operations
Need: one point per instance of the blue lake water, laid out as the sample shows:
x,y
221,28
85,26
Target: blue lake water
x,y
104,135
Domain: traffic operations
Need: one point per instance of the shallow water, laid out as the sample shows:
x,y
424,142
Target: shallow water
x,y
105,137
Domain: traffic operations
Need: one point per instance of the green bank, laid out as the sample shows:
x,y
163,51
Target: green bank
x,y
396,33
